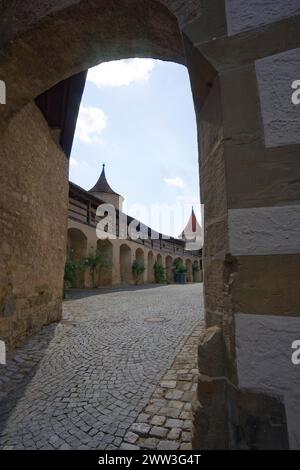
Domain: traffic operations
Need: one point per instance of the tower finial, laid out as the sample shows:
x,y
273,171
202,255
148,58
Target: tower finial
x,y
103,170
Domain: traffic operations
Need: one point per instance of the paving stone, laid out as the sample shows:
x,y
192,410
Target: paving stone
x,y
186,415
174,423
172,413
188,397
187,425
186,446
174,434
184,386
143,418
168,445
174,394
149,443
65,447
152,409
131,437
158,431
158,420
118,441
185,377
175,404
141,429
186,436
126,446
168,384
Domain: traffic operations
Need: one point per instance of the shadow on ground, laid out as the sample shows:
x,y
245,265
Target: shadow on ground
x,y
74,294
20,370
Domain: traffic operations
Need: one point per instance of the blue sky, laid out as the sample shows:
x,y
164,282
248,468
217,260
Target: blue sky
x,y
137,117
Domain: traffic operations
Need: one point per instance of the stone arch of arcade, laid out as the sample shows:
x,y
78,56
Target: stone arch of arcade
x,y
169,269
76,251
189,270
125,264
230,60
197,274
150,267
140,256
105,276
159,259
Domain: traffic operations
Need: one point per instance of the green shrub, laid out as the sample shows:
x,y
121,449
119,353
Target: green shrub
x,y
138,267
95,261
159,273
179,267
72,269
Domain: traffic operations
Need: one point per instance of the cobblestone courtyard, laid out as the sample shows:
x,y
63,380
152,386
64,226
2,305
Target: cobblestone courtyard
x,y
115,363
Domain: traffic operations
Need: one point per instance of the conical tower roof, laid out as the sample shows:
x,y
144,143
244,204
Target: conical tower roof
x,y
102,185
193,233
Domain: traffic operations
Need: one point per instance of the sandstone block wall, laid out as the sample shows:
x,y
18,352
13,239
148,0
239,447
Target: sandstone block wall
x,y
33,226
251,256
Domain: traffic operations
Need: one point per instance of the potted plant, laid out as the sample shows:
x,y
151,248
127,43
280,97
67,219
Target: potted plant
x,y
159,273
179,272
138,268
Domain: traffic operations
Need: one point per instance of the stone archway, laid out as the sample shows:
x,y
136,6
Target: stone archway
x,y
196,271
169,269
189,272
125,264
76,251
105,272
140,256
159,259
150,267
100,37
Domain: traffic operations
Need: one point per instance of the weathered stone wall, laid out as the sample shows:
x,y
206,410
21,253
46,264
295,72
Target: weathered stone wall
x,y
33,221
77,35
251,256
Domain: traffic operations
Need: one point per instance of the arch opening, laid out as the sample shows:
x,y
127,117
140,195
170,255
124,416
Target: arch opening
x,y
125,264
189,270
77,251
169,269
105,273
140,271
150,268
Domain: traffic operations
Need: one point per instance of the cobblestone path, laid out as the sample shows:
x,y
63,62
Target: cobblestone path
x,y
83,383
166,421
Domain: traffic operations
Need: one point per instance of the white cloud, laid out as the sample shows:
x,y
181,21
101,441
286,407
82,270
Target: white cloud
x,y
175,182
121,72
91,122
